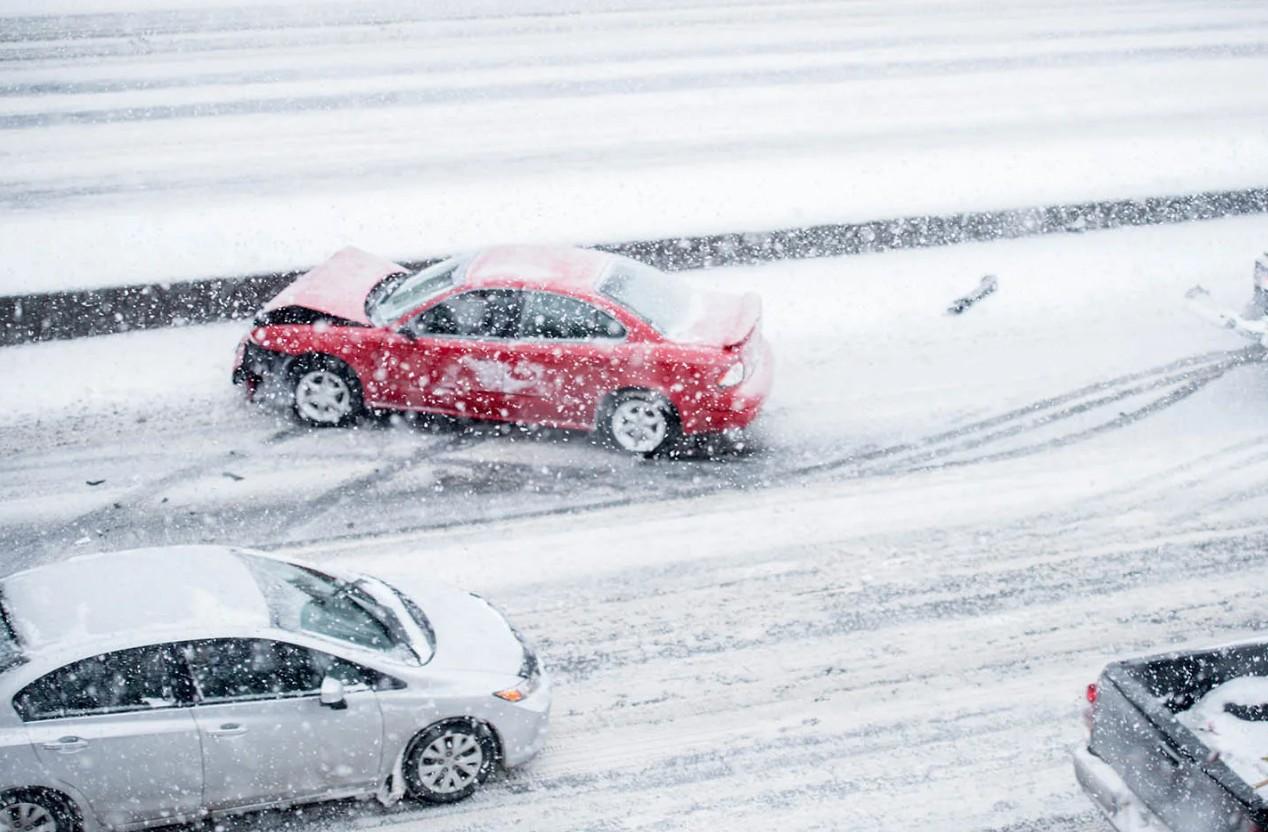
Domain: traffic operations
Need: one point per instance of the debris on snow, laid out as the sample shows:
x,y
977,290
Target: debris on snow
x,y
985,287
1204,307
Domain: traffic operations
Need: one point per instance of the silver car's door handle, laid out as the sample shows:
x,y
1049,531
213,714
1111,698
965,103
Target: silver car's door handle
x,y
229,729
66,745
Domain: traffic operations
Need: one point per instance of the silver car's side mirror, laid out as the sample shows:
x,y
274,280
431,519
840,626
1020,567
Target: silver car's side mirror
x,y
332,695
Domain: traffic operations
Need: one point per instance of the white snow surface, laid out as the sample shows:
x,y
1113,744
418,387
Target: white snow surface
x,y
1242,744
187,589
880,618
159,141
1068,473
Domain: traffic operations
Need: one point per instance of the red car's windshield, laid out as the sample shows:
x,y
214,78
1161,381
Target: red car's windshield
x,y
416,289
654,296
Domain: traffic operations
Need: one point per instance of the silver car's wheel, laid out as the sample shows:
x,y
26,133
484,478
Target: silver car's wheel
x,y
21,816
323,397
639,423
448,762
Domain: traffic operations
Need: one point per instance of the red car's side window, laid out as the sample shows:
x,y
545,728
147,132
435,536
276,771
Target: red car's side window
x,y
484,313
548,315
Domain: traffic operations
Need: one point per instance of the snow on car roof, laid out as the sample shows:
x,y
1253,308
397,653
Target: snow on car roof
x,y
124,595
539,265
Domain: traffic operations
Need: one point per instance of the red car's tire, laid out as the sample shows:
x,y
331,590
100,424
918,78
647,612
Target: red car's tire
x,y
325,392
640,422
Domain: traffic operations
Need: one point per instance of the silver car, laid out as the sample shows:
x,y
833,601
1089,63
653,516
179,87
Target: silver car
x,y
162,685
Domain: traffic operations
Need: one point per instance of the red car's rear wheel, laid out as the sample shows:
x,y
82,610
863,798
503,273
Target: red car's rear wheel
x,y
640,422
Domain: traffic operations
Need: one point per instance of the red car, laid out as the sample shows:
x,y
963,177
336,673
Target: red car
x,y
569,338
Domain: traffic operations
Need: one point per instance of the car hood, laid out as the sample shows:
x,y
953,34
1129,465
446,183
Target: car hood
x,y
470,634
722,320
339,286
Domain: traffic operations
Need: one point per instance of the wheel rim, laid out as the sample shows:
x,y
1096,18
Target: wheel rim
x,y
26,817
450,763
323,396
639,425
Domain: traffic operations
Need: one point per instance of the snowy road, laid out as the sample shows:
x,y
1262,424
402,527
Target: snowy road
x,y
160,145
879,616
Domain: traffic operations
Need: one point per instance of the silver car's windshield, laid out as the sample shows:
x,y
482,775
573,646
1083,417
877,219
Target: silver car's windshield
x,y
654,296
410,292
304,600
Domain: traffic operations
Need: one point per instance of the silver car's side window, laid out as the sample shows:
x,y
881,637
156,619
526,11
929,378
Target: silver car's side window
x,y
351,674
139,679
234,669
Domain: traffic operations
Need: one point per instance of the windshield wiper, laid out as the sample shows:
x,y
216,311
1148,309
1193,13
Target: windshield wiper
x,y
382,290
351,590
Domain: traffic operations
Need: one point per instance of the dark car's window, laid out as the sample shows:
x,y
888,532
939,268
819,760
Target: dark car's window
x,y
547,315
483,313
128,680
413,291
230,669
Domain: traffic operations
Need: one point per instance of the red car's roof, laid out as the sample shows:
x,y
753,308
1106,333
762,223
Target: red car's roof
x,y
540,266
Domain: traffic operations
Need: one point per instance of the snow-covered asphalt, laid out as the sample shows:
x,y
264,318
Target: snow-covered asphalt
x,y
878,615
880,611
226,138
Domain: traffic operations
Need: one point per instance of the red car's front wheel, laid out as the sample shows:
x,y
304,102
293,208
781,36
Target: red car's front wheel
x,y
326,393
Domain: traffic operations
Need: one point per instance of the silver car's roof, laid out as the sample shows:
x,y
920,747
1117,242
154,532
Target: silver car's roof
x,y
122,595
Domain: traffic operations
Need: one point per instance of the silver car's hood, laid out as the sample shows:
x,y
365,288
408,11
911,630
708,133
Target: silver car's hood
x,y
470,634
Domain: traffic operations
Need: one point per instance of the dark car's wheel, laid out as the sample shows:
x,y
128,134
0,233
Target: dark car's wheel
x,y
326,392
36,811
640,422
448,762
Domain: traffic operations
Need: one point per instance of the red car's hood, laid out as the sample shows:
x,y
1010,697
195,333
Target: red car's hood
x,y
339,286
722,320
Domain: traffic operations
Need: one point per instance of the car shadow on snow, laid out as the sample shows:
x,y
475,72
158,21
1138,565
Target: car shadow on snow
x,y
715,448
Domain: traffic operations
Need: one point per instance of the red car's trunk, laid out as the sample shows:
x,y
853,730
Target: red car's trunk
x,y
724,320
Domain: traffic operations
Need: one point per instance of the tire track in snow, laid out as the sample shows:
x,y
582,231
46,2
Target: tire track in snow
x,y
351,490
527,91
1190,373
754,726
669,480
1151,491
469,63
100,522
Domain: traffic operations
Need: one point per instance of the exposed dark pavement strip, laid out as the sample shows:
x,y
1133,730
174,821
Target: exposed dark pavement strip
x,y
75,314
